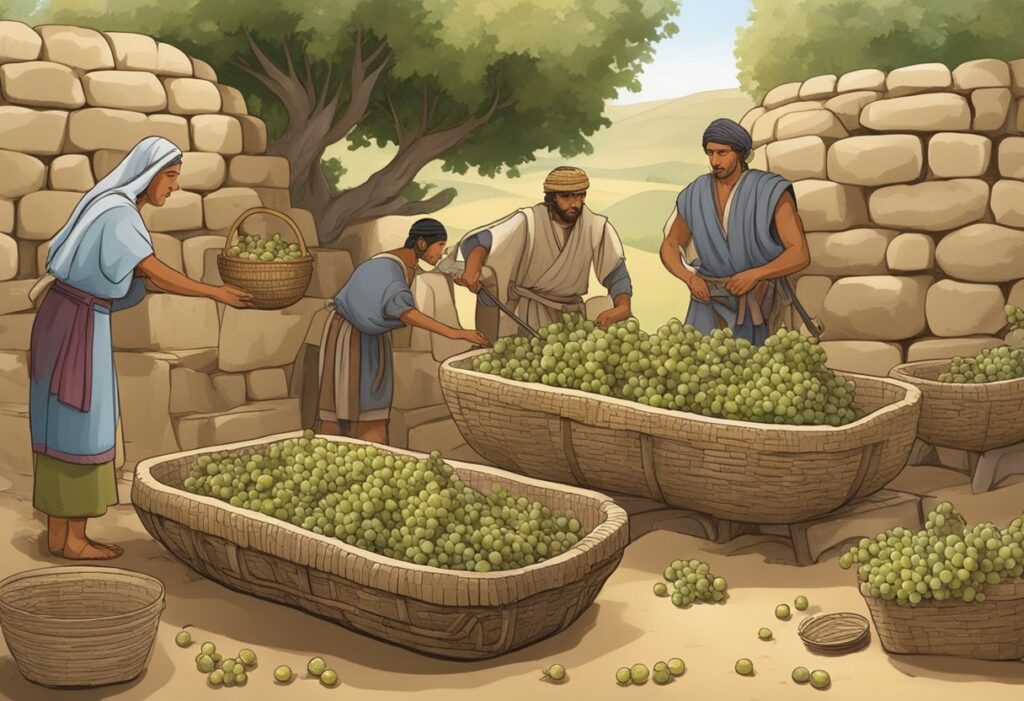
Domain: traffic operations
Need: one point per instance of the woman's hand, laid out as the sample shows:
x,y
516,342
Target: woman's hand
x,y
473,336
233,297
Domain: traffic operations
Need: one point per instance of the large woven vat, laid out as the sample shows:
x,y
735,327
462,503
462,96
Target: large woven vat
x,y
756,473
444,613
975,417
993,630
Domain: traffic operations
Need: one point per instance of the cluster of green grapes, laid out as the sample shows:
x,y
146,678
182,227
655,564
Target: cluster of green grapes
x,y
783,382
1014,317
638,674
692,581
253,247
946,560
400,506
992,364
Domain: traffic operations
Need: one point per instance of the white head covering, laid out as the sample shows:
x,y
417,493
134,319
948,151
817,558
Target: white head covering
x,y
121,187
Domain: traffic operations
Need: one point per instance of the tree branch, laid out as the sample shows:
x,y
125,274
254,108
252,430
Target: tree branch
x,y
310,90
399,207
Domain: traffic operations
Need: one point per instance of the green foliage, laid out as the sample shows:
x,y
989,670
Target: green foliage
x,y
798,39
333,171
19,10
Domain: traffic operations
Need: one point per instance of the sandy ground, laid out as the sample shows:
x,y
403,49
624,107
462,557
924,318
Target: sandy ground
x,y
627,624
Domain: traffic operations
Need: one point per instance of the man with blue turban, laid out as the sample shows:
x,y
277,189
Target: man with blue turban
x,y
741,235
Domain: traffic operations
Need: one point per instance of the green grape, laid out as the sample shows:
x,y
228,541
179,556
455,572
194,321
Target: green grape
x,y
208,648
329,677
623,675
764,634
316,666
820,679
205,664
283,674
216,677
639,674
800,603
676,667
801,675
661,676
183,639
782,611
555,672
660,589
247,657
744,667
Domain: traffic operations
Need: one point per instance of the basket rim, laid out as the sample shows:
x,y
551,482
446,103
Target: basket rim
x,y
912,396
59,571
900,373
800,630
933,604
301,260
615,524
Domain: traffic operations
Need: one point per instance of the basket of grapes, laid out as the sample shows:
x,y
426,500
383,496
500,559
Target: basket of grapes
x,y
275,272
949,589
764,435
451,560
975,403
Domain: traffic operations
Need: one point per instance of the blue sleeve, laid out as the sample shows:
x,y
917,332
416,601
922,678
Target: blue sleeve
x,y
135,295
124,243
398,300
480,238
618,281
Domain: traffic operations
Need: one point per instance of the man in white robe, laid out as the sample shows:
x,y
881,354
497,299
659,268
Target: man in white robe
x,y
541,258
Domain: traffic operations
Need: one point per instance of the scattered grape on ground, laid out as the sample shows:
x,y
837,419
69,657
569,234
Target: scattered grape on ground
x,y
692,581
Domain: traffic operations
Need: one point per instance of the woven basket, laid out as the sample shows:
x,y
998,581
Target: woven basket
x,y
80,626
993,630
835,633
755,473
273,284
443,613
965,416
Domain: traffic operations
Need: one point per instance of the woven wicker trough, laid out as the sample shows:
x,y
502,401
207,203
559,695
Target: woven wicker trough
x,y
444,613
756,473
976,417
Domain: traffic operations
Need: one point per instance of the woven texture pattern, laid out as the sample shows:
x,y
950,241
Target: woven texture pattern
x,y
444,613
835,632
965,416
993,630
756,473
80,626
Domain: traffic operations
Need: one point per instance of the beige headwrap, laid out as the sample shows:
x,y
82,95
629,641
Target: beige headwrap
x,y
566,179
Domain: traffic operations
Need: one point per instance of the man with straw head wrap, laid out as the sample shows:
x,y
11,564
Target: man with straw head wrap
x,y
741,235
541,258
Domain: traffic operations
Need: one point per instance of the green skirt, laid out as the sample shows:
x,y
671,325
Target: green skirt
x,y
66,490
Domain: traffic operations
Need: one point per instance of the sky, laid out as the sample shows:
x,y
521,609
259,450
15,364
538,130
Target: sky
x,y
699,57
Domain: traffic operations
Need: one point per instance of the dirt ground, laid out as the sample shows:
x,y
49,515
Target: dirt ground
x,y
627,624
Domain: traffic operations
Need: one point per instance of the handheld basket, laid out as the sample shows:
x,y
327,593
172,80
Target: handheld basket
x,y
273,284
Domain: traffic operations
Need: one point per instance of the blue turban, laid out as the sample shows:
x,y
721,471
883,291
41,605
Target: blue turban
x,y
429,229
726,131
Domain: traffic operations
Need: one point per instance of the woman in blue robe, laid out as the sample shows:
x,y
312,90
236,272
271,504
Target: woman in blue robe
x,y
355,366
95,267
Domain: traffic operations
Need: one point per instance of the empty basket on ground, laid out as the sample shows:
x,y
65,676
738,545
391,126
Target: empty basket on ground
x,y
993,630
80,626
445,613
976,417
274,284
755,473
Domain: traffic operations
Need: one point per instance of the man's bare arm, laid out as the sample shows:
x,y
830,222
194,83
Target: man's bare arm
x,y
797,256
678,237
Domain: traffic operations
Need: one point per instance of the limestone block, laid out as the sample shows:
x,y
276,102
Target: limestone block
x,y
781,95
167,249
1017,77
370,238
991,108
319,321
434,296
303,218
202,171
1016,296
853,252
18,42
16,450
133,52
27,267
16,331
402,422
259,171
193,254
170,60
22,174
71,172
203,70
244,423
911,253
811,290
934,112
191,96
8,261
252,339
982,253
759,158
211,273
95,128
931,348
144,390
13,293
1010,158
820,122
41,251
876,308
217,133
39,132
416,383
983,73
105,160
331,270
78,47
222,208
192,391
931,206
864,357
171,127
923,77
952,155
125,90
167,322
182,211
962,309
7,217
267,383
881,159
14,373
232,101
42,214
864,79
254,134
444,436
748,119
41,84
848,106
828,206
275,198
198,359
818,88
230,389
763,130
1007,205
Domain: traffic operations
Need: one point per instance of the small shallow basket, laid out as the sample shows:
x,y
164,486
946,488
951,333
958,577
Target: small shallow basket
x,y
80,626
835,633
273,284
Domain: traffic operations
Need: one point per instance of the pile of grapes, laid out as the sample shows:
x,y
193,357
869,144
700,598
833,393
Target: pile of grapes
x,y
264,250
691,581
992,364
416,510
783,382
947,560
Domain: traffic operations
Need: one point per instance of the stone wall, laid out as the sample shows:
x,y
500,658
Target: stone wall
x,y
911,188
